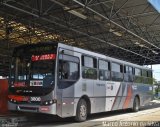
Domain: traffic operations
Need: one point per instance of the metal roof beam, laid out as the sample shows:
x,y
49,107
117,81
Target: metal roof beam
x,y
80,32
136,15
116,24
120,8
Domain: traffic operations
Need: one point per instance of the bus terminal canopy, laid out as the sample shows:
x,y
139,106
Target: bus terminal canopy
x,y
124,29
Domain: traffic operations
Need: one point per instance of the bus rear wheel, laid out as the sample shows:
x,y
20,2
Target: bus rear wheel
x,y
136,105
81,113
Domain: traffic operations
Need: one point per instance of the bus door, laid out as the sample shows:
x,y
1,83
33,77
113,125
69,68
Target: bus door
x,y
68,75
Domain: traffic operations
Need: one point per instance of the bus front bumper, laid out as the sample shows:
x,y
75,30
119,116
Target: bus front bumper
x,y
51,109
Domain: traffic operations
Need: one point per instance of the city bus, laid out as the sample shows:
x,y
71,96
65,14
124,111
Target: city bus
x,y
54,78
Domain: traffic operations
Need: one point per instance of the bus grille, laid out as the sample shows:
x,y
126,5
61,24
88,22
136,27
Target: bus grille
x,y
27,108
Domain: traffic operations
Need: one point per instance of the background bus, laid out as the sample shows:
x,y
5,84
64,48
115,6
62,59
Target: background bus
x,y
58,79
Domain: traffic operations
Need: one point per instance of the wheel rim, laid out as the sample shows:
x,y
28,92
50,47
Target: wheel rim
x,y
83,110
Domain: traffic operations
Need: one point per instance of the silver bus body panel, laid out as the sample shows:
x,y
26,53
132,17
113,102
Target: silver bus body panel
x,y
102,96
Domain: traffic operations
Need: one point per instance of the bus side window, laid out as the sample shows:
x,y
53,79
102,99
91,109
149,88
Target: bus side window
x,y
68,70
63,69
128,74
138,75
104,73
150,79
117,72
89,67
144,76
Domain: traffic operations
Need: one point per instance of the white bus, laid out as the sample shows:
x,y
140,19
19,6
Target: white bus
x,y
58,79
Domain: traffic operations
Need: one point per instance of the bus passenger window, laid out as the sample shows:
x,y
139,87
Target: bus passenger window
x,y
128,74
138,76
137,72
144,76
104,73
89,69
117,72
68,70
150,79
63,70
68,67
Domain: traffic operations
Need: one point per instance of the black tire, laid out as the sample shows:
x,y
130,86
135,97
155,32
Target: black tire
x,y
136,104
81,113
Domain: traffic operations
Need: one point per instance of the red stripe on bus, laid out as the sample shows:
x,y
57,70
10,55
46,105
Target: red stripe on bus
x,y
128,98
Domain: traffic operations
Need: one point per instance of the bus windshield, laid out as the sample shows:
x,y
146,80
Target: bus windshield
x,y
33,68
27,69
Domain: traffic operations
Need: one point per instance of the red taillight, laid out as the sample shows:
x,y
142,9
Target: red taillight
x,y
18,98
19,84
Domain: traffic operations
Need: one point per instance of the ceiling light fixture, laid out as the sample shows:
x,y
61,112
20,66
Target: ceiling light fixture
x,y
137,43
141,45
76,13
155,52
115,32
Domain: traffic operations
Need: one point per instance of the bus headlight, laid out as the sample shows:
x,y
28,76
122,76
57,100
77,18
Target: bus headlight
x,y
49,102
12,100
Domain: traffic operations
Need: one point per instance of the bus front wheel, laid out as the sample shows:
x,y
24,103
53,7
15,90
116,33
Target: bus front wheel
x,y
136,105
81,113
